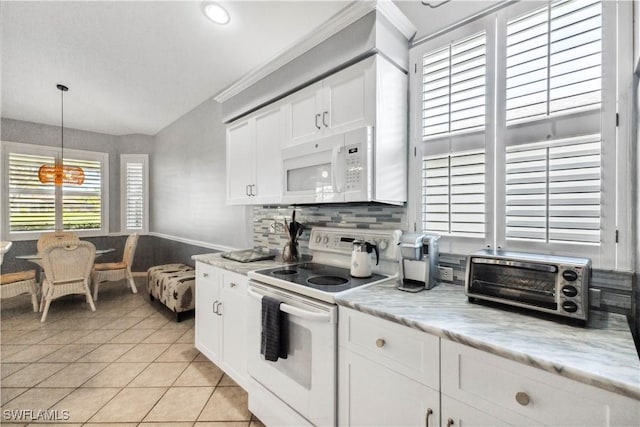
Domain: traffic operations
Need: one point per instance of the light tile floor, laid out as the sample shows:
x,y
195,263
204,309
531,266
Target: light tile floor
x,y
127,364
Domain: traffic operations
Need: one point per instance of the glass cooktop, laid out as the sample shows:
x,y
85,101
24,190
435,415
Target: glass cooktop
x,y
321,277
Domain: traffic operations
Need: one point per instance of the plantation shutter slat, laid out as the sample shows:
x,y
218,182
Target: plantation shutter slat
x,y
554,60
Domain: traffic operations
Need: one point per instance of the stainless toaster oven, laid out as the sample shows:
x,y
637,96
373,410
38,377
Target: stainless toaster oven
x,y
551,284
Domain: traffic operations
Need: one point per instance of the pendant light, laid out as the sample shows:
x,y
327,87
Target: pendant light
x,y
58,173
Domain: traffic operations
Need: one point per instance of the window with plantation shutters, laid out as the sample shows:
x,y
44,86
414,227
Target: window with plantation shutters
x,y
453,88
82,205
134,176
516,114
31,207
553,60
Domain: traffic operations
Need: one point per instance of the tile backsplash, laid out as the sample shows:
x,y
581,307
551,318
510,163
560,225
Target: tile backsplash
x,y
268,221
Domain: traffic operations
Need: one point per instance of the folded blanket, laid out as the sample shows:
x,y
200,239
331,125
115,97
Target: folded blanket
x,y
275,330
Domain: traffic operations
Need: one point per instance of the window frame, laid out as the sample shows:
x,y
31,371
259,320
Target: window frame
x,y
124,160
615,250
8,147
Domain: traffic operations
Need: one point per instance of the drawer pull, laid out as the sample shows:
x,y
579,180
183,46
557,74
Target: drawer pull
x,y
450,422
522,398
380,342
426,418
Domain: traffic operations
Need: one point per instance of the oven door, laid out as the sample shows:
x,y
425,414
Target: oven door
x,y
306,380
314,172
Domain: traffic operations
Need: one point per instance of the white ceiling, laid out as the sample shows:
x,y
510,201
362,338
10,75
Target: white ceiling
x,y
135,67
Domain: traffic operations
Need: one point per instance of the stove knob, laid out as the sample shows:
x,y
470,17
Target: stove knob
x,y
318,238
325,240
382,245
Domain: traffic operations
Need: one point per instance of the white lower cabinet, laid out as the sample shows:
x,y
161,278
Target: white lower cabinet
x,y
220,330
518,394
207,329
390,374
234,326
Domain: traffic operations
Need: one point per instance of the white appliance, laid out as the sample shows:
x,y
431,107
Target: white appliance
x,y
301,390
348,167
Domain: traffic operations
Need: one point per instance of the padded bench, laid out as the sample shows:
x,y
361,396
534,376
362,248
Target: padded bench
x,y
174,285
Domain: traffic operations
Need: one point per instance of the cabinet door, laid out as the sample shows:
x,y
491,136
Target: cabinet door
x,y
349,98
304,114
370,394
240,161
234,327
207,328
268,146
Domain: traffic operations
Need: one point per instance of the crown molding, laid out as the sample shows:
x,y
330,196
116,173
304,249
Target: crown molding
x,y
347,16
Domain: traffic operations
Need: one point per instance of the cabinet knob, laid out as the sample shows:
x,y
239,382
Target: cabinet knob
x,y
380,342
426,417
205,274
522,398
232,285
450,422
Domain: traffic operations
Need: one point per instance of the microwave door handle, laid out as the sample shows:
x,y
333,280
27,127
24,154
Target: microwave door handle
x,y
335,170
295,311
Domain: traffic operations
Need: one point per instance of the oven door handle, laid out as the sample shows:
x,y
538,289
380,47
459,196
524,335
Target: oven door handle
x,y
295,311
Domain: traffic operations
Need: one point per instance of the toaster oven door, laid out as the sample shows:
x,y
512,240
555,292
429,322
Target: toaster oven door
x,y
525,283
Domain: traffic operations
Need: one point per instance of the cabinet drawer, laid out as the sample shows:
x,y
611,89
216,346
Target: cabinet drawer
x,y
510,390
405,350
206,271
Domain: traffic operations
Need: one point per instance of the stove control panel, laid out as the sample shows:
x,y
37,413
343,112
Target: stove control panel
x,y
340,241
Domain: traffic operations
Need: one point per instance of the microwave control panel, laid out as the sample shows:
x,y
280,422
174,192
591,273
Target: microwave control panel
x,y
354,168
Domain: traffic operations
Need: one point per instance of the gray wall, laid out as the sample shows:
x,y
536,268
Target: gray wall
x,y
39,134
188,182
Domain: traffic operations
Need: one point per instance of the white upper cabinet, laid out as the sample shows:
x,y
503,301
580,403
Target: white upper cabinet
x,y
253,158
343,101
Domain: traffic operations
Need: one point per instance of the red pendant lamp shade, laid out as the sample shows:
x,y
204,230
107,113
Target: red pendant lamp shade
x,y
58,173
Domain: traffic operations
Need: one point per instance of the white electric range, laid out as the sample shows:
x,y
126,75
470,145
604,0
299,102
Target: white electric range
x,y
301,389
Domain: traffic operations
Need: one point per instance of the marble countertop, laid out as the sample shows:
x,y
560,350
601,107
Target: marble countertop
x,y
602,354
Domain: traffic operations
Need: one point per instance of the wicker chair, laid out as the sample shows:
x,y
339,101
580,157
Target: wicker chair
x,y
114,271
22,282
67,270
57,236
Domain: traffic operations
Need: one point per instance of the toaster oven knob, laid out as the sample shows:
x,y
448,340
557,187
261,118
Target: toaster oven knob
x,y
570,275
570,306
569,291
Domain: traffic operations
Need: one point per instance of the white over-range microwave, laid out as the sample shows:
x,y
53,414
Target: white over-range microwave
x,y
348,167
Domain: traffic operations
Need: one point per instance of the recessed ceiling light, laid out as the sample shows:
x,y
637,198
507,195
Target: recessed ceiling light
x,y
216,13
